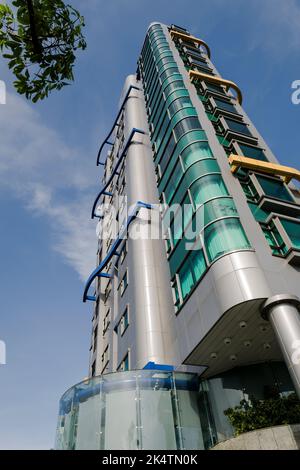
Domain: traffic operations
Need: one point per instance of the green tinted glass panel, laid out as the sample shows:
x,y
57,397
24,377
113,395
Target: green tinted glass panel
x,y
174,180
259,214
208,187
186,125
191,271
195,152
224,236
252,152
274,188
202,192
217,208
180,103
225,105
170,162
198,264
186,279
173,86
238,127
212,87
293,231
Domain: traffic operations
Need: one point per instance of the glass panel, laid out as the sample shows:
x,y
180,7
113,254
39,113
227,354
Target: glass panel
x,y
293,231
274,188
185,125
217,208
158,403
179,103
224,236
195,152
198,263
225,105
238,127
173,86
208,187
252,152
89,424
186,279
259,214
120,433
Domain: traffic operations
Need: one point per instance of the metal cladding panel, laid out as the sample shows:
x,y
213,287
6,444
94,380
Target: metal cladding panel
x,y
149,291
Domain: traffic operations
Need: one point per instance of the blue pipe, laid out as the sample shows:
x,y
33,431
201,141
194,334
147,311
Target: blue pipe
x,y
113,251
106,141
114,172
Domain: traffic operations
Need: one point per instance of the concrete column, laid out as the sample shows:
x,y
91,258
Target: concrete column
x,y
283,313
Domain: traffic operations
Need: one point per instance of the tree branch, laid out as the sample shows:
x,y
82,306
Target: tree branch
x,y
35,40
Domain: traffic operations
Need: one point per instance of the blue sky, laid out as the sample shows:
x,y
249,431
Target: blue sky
x,y
48,180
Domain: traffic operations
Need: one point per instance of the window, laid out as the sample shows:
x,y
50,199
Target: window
x,y
124,322
274,239
239,127
95,335
225,105
252,152
107,291
194,152
191,271
212,87
224,236
185,125
105,356
123,252
173,86
274,188
249,190
124,364
124,283
167,153
293,231
106,321
207,187
93,368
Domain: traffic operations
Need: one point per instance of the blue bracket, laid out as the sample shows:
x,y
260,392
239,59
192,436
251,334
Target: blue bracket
x,y
114,172
113,251
106,141
154,366
106,275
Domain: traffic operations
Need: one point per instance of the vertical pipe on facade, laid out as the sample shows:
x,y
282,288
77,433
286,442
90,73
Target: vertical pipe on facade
x,y
149,275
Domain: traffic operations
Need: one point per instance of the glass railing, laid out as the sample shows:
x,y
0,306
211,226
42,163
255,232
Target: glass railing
x,y
144,409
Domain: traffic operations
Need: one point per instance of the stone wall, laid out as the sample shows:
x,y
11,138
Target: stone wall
x,y
276,438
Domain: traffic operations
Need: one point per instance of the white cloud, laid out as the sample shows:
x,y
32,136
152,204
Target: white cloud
x,y
276,26
50,179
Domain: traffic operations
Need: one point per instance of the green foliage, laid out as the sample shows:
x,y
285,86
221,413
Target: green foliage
x,y
264,413
39,40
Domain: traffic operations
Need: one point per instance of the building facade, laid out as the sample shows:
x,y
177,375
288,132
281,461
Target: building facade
x,y
196,290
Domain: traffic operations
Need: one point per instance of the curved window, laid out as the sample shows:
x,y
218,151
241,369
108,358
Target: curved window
x,y
197,175
173,86
176,119
191,271
179,103
195,152
190,137
168,73
186,125
207,187
218,208
224,236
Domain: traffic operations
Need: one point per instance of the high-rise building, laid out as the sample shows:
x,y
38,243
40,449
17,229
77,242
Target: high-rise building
x,y
195,293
